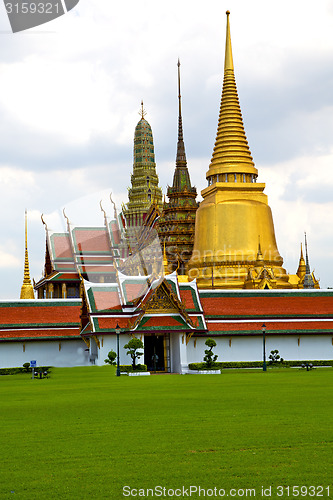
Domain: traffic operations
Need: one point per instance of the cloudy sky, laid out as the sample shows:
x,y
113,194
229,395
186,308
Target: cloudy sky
x,y
70,92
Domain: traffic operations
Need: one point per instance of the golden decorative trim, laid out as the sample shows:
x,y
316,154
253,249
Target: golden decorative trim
x,y
86,340
97,341
188,336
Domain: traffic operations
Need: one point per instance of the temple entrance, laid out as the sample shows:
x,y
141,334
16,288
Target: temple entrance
x,y
155,353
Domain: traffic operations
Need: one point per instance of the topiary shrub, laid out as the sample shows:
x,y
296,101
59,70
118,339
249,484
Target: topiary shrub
x,y
275,358
111,359
210,358
133,345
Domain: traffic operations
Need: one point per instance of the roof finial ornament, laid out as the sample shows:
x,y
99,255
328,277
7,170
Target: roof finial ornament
x,y
114,207
67,219
43,221
142,111
102,209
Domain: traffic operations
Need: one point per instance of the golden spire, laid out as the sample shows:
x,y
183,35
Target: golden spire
x,y
27,292
142,111
259,254
301,266
231,153
228,62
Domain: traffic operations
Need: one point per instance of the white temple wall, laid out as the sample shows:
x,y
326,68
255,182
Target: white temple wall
x,y
61,353
175,354
246,348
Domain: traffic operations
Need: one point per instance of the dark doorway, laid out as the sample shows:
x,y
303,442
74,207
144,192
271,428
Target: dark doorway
x,y
154,353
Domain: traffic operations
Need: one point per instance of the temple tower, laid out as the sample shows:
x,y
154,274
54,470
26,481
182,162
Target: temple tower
x,y
145,189
176,226
27,291
307,278
234,212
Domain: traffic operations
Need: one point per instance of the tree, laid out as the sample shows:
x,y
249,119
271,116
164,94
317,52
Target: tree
x,y
210,358
275,357
26,366
111,359
133,345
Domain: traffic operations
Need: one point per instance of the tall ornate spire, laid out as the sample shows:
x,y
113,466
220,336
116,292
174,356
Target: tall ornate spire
x,y
27,292
308,279
231,160
176,226
234,209
181,178
181,156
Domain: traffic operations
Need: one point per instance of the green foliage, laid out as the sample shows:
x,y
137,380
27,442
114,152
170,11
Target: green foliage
x,y
133,345
129,368
26,366
275,358
256,364
111,359
51,431
19,369
210,358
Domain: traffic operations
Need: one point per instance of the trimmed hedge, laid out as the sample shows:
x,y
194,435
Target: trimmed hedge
x,y
129,368
19,369
257,364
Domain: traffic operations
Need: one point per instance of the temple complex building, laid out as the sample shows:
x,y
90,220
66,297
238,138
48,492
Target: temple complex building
x,y
173,274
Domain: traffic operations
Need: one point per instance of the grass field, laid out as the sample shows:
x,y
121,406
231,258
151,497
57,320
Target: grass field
x,y
84,433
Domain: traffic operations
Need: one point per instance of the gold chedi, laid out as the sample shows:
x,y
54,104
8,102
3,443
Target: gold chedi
x,y
27,291
234,215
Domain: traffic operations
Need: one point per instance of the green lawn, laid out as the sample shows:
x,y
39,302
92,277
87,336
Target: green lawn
x,y
85,433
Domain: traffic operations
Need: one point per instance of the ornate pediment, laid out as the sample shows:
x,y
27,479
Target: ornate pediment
x,y
162,301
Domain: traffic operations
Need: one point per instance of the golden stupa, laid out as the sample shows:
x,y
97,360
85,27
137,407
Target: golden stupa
x,y
234,244
27,291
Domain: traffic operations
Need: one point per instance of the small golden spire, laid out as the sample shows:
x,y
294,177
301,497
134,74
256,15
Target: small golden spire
x,y
301,266
228,62
27,292
142,111
259,254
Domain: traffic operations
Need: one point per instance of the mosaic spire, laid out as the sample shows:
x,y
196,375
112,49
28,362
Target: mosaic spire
x,y
145,189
